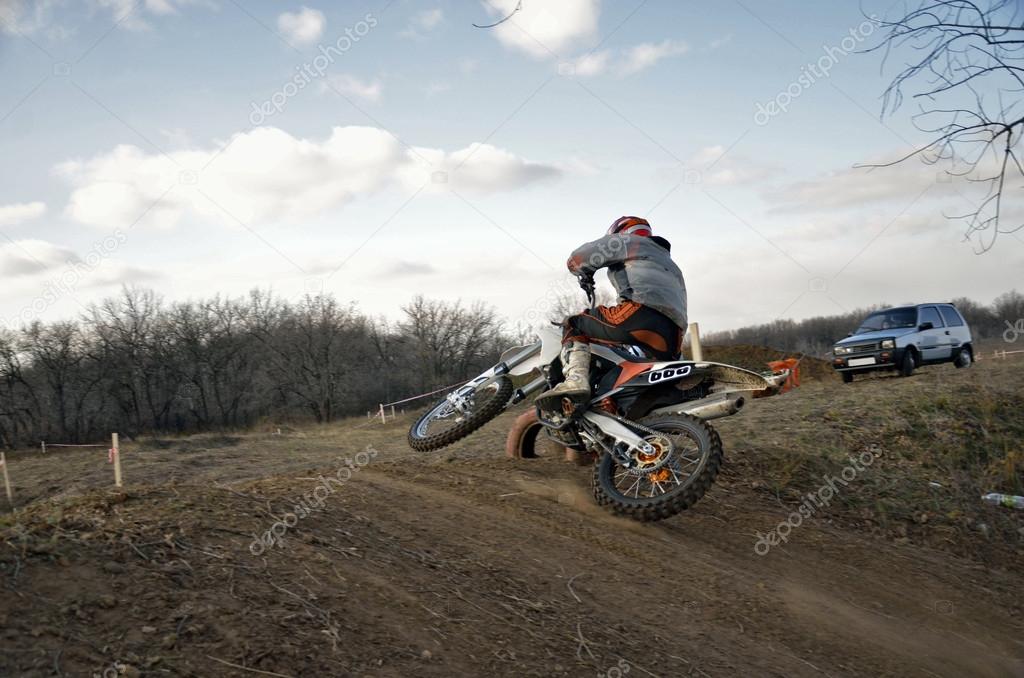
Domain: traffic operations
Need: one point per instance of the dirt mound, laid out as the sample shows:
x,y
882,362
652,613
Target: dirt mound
x,y
495,568
469,563
756,358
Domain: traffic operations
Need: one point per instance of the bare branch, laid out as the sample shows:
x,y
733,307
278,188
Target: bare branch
x,y
963,46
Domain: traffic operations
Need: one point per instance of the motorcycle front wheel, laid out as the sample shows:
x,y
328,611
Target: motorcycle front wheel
x,y
676,485
447,421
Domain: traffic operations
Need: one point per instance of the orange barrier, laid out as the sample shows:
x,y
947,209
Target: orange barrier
x,y
791,364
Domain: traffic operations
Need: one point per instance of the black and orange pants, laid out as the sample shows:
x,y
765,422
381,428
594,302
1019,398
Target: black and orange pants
x,y
626,323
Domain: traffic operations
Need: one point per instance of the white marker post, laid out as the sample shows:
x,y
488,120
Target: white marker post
x,y
42,443
115,453
383,416
7,480
697,353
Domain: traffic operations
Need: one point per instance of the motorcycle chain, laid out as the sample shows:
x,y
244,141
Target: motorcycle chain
x,y
651,432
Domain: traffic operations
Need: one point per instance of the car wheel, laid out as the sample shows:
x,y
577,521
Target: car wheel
x,y
908,363
963,358
847,377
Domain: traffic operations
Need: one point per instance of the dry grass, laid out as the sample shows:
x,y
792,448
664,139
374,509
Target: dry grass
x,y
944,437
960,429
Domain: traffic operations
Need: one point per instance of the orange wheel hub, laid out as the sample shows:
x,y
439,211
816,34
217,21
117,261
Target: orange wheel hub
x,y
659,476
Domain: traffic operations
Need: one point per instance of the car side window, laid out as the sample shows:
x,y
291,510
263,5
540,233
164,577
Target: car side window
x,y
951,316
928,314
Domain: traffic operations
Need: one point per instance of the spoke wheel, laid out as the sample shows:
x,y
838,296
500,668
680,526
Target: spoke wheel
x,y
675,483
457,415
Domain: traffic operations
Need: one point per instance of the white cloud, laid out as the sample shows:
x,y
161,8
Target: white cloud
x,y
176,137
303,27
591,64
720,42
19,16
111,273
716,166
30,257
423,22
131,14
479,168
406,269
437,87
353,86
32,16
268,175
580,167
643,56
629,61
429,19
540,28
855,187
12,215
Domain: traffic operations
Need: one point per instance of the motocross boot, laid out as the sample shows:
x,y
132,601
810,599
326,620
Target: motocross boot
x,y
576,370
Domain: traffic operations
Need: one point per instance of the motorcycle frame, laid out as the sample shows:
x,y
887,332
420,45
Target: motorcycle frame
x,y
724,401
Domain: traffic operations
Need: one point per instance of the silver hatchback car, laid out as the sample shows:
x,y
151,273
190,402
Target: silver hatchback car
x,y
904,338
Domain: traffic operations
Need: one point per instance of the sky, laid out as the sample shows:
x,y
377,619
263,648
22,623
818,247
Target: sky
x,y
379,150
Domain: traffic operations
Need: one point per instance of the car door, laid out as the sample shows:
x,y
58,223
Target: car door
x,y
956,329
932,342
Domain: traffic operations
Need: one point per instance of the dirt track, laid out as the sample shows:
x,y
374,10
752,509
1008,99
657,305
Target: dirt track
x,y
468,563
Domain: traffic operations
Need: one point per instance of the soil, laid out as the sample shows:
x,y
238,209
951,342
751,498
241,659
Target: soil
x,y
466,562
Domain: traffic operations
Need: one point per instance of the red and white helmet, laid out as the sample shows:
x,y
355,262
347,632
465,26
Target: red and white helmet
x,y
630,226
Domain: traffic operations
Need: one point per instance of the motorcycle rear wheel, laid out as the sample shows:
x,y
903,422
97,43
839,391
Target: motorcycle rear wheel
x,y
492,400
694,465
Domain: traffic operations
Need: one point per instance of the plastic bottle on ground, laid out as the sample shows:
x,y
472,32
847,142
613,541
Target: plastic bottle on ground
x,y
1007,500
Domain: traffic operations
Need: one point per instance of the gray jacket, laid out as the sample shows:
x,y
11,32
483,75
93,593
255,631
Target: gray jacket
x,y
641,270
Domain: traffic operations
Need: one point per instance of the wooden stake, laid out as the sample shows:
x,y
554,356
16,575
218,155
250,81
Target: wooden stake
x,y
696,351
383,416
43,444
118,480
7,480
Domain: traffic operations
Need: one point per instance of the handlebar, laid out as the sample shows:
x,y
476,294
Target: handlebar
x,y
587,285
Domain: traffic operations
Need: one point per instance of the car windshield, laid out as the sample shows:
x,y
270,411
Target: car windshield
x,y
897,318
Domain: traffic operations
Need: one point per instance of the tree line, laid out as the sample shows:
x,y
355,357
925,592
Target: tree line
x,y
135,364
816,336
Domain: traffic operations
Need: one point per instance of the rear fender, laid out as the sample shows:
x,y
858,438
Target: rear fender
x,y
727,378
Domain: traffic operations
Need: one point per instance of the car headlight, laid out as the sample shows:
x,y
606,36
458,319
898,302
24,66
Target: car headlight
x,y
842,350
888,343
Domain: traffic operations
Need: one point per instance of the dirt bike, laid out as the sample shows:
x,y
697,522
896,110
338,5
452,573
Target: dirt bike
x,y
646,420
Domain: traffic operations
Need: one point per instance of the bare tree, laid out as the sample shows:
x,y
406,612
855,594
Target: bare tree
x,y
968,79
132,337
446,341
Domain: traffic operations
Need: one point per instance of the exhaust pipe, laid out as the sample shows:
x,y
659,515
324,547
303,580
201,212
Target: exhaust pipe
x,y
714,409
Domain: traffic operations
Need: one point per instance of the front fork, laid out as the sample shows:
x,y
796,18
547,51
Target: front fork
x,y
461,397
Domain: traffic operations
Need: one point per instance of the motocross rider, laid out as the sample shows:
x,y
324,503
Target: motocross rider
x,y
651,308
